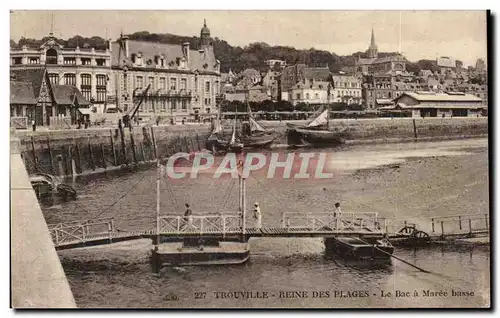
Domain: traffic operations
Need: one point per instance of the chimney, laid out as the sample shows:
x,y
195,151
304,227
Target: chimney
x,y
185,50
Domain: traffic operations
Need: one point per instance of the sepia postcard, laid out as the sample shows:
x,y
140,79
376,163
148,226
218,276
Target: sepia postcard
x,y
249,159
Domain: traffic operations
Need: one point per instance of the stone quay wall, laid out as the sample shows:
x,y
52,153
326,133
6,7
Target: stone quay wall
x,y
74,152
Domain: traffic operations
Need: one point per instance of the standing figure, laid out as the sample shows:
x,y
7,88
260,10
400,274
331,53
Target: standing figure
x,y
257,216
337,212
188,218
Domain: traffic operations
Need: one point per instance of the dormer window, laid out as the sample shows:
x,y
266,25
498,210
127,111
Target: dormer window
x,y
149,62
51,56
205,65
172,63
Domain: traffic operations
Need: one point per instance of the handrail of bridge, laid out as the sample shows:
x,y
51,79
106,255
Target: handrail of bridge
x,y
199,224
80,231
80,222
328,221
465,222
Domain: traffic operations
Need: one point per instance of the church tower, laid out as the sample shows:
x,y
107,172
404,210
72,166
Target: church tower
x,y
373,50
205,40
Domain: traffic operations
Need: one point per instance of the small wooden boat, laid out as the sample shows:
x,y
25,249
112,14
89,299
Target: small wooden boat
x,y
365,248
46,185
43,184
257,136
316,133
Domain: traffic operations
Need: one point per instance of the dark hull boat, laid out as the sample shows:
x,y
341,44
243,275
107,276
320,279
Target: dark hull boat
x,y
313,137
210,253
316,133
258,141
356,248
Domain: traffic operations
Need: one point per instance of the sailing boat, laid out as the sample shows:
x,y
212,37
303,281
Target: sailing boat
x,y
258,136
215,141
315,133
235,146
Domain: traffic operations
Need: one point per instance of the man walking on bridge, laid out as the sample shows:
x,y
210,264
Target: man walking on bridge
x,y
188,218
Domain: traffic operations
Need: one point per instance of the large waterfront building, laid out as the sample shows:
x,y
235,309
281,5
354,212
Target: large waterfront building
x,y
431,104
184,81
346,89
87,69
310,91
292,75
380,89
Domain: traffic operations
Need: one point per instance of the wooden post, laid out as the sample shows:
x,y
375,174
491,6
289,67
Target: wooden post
x,y
78,156
470,227
102,156
65,158
113,147
154,143
442,229
132,143
197,142
486,221
35,161
141,145
51,156
460,222
70,169
179,144
186,144
91,156
415,129
124,146
432,225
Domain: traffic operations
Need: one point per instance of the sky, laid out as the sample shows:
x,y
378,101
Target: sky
x,y
424,34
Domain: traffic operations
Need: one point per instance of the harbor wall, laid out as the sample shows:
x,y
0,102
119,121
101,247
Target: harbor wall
x,y
75,152
386,130
37,277
81,151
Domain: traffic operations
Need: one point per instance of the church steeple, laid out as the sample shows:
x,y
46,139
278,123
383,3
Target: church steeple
x,y
373,50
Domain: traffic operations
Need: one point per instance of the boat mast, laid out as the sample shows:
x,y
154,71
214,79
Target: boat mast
x,y
243,214
328,109
158,176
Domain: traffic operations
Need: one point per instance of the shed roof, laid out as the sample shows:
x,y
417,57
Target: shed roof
x,y
444,97
22,93
32,76
66,95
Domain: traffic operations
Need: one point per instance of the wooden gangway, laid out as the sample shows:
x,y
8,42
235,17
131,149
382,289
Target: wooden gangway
x,y
230,227
224,226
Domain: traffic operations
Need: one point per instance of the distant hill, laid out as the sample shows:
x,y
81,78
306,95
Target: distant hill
x,y
237,58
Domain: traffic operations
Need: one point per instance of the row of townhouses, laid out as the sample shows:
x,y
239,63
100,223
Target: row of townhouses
x,y
184,80
372,82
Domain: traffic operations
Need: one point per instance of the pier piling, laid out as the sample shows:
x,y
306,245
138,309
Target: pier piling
x,y
113,148
154,143
51,156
